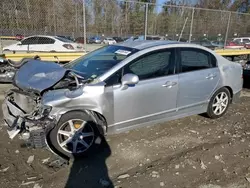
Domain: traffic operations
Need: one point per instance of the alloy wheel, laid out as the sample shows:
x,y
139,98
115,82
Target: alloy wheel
x,y
75,136
220,103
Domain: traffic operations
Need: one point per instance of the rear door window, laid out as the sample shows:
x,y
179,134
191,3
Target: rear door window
x,y
45,40
193,59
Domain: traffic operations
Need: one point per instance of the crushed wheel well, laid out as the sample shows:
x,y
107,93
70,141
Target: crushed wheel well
x,y
100,120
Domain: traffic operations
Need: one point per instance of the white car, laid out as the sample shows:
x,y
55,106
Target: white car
x,y
41,43
244,40
109,41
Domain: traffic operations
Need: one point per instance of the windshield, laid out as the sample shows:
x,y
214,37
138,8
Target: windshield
x,y
96,63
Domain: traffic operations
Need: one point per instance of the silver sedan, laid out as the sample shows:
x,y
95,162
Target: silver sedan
x,y
117,88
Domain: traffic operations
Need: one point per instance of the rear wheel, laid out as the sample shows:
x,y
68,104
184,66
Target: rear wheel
x,y
75,135
219,103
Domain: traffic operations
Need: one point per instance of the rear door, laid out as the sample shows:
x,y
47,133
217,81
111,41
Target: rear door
x,y
45,44
198,77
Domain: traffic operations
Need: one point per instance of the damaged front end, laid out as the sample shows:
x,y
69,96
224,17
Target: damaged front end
x,y
24,115
23,110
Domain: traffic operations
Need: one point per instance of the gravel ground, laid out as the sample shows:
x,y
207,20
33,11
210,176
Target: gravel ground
x,y
190,152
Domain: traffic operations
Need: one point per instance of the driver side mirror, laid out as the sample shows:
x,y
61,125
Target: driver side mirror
x,y
19,43
129,79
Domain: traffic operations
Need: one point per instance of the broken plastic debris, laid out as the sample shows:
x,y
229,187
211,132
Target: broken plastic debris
x,y
203,166
217,157
37,186
30,159
31,178
28,183
98,140
45,160
177,166
123,176
193,131
162,184
5,169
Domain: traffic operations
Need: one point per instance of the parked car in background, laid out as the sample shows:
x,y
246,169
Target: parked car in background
x,y
242,40
247,45
81,40
133,38
205,43
118,39
246,72
218,44
95,40
108,41
183,40
66,37
154,37
148,37
19,37
234,45
43,43
117,88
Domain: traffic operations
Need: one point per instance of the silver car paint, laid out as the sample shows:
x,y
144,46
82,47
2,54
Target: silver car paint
x,y
148,102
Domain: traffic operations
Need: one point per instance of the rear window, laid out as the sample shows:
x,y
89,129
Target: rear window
x,y
64,39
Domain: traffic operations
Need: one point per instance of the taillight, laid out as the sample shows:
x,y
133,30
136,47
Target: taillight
x,y
68,46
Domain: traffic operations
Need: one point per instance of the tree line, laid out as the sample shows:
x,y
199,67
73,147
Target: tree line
x,y
122,18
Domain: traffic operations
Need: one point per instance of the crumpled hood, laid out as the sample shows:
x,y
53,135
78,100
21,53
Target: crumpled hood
x,y
38,75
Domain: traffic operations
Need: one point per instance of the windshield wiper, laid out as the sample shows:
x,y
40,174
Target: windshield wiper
x,y
76,75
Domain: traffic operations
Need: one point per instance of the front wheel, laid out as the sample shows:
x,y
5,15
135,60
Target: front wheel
x,y
219,103
75,135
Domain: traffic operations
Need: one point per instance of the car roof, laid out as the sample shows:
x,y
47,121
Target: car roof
x,y
47,36
143,44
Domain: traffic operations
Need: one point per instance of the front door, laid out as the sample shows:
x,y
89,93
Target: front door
x,y
198,77
154,96
28,44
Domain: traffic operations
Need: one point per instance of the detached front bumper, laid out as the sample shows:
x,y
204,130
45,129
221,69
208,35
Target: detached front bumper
x,y
31,129
12,116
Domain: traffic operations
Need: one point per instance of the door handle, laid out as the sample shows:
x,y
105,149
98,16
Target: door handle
x,y
211,76
169,84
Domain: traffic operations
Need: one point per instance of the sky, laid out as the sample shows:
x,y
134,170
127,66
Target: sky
x,y
160,2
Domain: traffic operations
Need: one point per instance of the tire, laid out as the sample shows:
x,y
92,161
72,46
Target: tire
x,y
57,139
214,113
